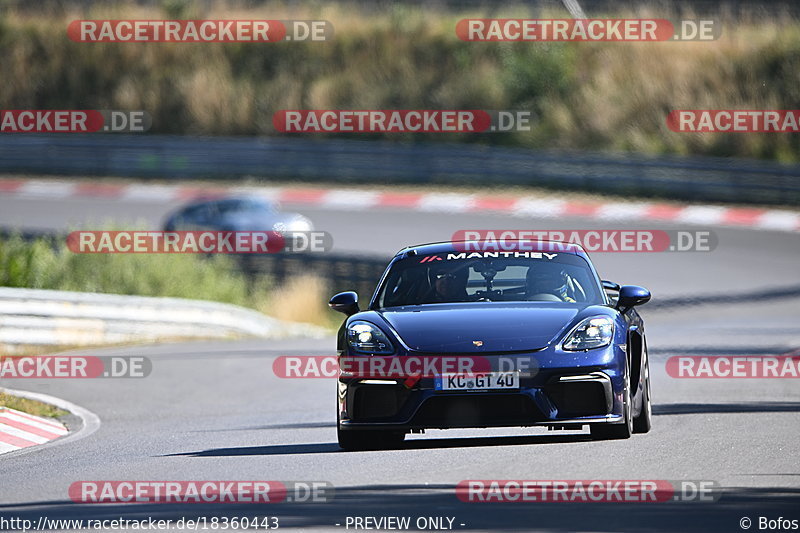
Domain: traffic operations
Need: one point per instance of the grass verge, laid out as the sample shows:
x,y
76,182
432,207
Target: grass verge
x,y
44,264
32,407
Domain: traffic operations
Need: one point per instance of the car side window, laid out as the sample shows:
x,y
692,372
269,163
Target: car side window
x,y
189,214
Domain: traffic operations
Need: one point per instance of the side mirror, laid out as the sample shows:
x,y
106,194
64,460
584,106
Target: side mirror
x,y
345,302
632,295
610,285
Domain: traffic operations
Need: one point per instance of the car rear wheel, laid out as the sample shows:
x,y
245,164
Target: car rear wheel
x,y
617,431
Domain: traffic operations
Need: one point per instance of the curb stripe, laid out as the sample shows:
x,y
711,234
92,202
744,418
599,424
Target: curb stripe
x,y
11,432
50,428
622,211
399,199
580,209
525,207
779,220
37,419
46,189
302,196
22,426
16,442
10,185
157,193
350,199
99,189
521,206
702,214
446,202
742,217
495,203
22,430
5,448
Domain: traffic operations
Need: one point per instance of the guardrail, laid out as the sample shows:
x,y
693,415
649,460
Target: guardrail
x,y
355,161
43,317
339,272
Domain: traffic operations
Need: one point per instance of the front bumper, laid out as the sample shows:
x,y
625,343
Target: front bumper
x,y
561,389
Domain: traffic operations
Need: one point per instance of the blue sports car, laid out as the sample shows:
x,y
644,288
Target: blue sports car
x,y
533,338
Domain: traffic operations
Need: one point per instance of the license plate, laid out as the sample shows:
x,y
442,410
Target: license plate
x,y
481,381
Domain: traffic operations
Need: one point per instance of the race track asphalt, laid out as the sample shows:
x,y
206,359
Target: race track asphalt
x,y
215,410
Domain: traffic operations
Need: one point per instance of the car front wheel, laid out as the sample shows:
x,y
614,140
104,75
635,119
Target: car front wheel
x,y
642,422
617,431
359,439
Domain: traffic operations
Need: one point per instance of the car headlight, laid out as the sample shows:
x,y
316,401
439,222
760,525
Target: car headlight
x,y
296,224
364,337
594,332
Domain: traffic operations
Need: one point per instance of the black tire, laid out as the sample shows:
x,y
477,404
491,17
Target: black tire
x,y
617,431
643,422
359,439
353,440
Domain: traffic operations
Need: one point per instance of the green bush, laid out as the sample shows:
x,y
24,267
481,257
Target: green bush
x,y
39,264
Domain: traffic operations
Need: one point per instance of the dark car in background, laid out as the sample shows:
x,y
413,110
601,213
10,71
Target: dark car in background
x,y
563,353
236,214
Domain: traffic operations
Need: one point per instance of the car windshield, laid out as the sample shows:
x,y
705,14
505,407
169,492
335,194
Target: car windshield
x,y
237,205
472,277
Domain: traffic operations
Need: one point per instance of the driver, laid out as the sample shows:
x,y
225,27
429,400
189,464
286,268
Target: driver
x,y
449,285
545,281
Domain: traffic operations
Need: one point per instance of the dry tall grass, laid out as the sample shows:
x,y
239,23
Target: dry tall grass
x,y
301,298
607,96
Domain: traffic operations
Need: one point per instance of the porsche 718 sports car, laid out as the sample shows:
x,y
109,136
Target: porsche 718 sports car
x,y
559,347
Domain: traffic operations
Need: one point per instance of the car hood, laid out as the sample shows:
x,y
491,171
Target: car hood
x,y
499,327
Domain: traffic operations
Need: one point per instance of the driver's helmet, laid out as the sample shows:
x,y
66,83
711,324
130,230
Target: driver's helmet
x,y
449,283
547,278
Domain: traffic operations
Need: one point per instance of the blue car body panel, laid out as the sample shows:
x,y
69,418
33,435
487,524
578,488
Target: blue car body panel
x,y
562,388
